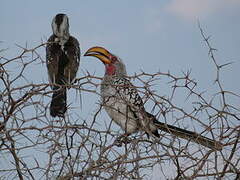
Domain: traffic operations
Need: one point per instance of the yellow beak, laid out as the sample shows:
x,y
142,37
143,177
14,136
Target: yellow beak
x,y
100,53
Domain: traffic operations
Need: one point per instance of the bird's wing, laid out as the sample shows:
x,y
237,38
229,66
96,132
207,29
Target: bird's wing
x,y
122,102
52,59
72,51
128,93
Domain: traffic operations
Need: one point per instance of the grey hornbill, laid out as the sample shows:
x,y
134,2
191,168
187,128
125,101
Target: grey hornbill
x,y
63,57
125,107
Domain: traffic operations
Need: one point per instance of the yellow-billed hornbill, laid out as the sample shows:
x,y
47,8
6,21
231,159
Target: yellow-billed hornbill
x,y
63,58
125,107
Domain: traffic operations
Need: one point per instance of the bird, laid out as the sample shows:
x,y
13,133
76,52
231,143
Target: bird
x,y
125,107
62,59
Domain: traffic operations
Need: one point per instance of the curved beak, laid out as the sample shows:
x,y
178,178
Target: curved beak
x,y
100,53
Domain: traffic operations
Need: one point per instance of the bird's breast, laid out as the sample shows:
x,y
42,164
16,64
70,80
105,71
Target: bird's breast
x,y
118,109
121,114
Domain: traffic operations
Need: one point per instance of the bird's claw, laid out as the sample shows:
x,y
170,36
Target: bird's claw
x,y
122,140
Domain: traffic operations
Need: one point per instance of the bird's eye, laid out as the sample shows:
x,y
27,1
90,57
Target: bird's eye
x,y
114,58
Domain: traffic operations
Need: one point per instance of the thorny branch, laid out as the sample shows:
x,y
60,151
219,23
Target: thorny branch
x,y
33,145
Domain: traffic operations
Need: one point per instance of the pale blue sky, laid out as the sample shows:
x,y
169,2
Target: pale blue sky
x,y
148,35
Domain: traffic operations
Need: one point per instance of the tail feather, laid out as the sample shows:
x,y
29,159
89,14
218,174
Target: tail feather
x,y
188,135
58,105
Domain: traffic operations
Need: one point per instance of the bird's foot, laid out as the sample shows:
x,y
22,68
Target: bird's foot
x,y
122,140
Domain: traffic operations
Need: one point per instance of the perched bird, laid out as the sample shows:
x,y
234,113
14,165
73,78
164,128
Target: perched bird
x,y
63,58
125,107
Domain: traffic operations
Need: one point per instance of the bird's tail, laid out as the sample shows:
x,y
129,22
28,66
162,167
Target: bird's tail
x,y
188,135
58,105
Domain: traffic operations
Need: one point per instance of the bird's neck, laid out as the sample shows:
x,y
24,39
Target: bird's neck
x,y
61,40
110,70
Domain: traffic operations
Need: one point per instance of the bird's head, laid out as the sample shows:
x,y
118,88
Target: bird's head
x,y
113,64
60,26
